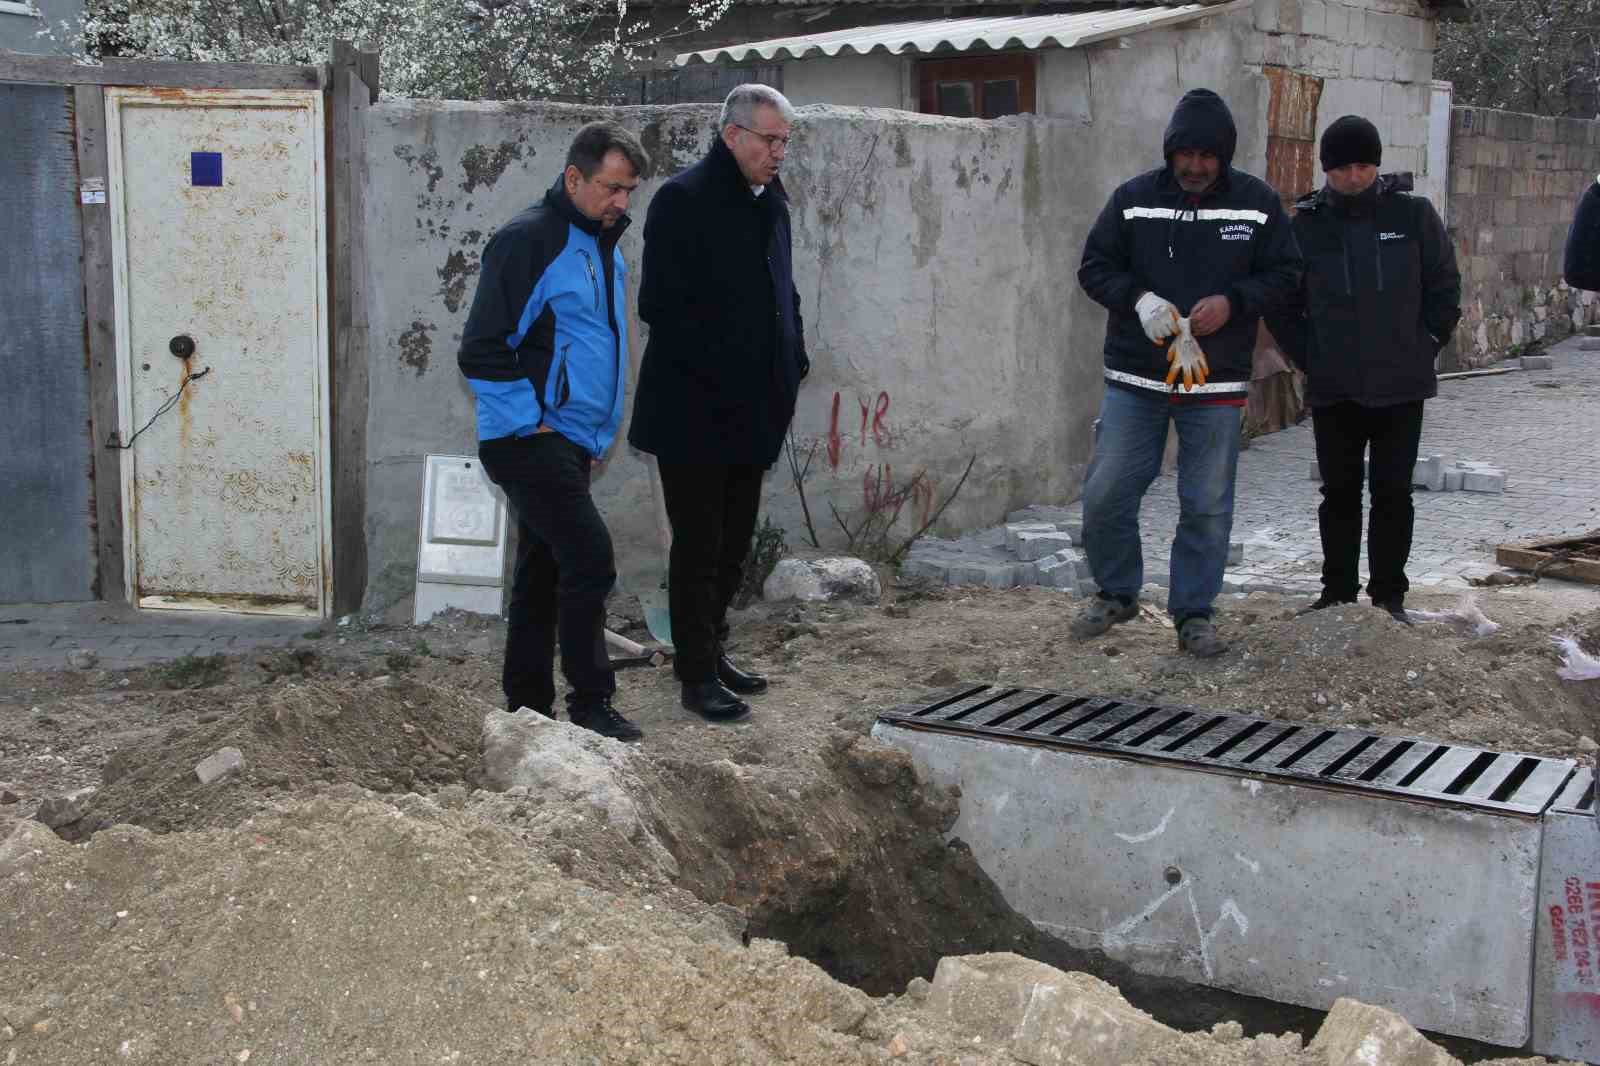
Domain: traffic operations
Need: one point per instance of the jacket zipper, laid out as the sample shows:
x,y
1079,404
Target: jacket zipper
x,y
563,386
1378,247
1344,245
594,281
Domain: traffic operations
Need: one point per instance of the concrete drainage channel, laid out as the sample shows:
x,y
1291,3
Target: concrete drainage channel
x,y
1456,886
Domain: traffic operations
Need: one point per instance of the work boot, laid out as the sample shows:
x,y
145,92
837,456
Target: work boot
x,y
737,681
1198,636
712,702
1396,606
603,718
1325,601
1102,613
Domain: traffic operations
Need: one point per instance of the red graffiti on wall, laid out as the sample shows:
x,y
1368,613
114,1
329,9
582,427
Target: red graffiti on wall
x,y
875,416
835,442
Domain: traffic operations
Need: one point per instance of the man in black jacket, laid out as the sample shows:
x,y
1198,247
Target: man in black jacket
x,y
1192,253
720,374
545,351
1583,242
1381,296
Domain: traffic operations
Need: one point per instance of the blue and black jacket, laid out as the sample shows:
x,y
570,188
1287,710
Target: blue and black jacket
x,y
544,343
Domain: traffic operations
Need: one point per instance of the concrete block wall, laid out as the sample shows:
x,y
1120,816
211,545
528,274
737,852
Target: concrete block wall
x,y
1515,181
1375,58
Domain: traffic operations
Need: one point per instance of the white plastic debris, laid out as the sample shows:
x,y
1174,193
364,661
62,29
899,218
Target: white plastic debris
x,y
1464,615
1581,666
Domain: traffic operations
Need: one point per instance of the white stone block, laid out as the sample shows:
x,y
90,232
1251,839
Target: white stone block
x,y
1452,480
1483,481
1538,362
1429,473
1014,532
1030,546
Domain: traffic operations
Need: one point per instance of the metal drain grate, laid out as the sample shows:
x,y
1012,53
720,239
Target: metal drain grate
x,y
1236,743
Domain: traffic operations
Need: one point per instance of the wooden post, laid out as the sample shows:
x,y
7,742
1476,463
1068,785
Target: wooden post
x,y
99,307
347,284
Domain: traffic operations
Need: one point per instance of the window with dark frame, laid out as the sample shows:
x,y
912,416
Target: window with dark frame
x,y
978,86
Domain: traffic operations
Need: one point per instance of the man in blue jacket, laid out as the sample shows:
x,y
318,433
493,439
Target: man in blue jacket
x,y
1186,258
545,350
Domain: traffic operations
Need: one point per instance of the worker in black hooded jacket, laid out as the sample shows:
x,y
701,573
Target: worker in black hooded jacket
x,y
1381,296
1583,242
1186,258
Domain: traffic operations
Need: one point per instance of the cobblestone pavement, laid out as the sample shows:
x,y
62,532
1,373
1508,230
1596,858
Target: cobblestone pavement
x,y
1542,427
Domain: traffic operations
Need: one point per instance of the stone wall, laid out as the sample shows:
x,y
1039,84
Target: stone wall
x,y
1515,181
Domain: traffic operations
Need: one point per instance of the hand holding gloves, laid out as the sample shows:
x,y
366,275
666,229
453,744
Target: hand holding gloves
x,y
1186,358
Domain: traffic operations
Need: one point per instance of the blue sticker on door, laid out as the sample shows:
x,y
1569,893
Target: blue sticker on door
x,y
205,168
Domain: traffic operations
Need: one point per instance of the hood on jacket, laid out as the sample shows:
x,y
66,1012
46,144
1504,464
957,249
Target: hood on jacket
x,y
1203,122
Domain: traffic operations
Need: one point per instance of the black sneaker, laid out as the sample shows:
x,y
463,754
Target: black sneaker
x,y
1396,606
1324,602
603,718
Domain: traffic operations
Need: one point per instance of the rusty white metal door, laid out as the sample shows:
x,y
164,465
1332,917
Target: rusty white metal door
x,y
220,262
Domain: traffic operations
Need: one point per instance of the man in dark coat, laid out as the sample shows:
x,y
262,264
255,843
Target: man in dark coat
x,y
1192,253
1583,242
1381,296
720,374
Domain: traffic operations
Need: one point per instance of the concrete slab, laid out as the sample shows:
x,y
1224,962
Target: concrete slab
x,y
1297,894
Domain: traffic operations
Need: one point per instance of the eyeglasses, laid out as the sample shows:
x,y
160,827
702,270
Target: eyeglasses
x,y
774,142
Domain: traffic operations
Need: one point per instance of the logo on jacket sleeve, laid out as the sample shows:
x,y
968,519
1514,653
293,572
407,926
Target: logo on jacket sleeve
x,y
1238,231
1391,236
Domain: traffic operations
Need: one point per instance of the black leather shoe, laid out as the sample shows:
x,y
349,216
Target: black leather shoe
x,y
712,702
1396,606
1324,602
736,680
603,718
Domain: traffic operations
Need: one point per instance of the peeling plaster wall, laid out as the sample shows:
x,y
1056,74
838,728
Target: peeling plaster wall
x,y
936,260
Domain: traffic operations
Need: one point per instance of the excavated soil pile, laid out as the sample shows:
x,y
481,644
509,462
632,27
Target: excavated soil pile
x,y
556,897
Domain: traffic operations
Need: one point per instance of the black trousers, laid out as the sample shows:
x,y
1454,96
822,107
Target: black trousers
x,y
1345,432
712,508
564,571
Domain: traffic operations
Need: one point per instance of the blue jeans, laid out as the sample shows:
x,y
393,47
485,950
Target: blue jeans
x,y
1128,442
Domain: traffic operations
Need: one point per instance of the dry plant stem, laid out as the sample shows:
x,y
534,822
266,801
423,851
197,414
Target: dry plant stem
x,y
948,500
800,473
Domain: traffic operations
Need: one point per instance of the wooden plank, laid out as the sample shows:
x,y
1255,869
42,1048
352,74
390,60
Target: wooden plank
x,y
1538,557
349,367
166,74
99,306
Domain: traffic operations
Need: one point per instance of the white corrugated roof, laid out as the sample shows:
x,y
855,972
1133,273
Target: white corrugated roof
x,y
959,35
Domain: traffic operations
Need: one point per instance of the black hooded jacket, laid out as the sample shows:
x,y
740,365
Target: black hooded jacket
x,y
1382,295
1583,242
1233,240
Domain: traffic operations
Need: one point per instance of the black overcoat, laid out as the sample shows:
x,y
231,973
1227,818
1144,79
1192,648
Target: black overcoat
x,y
726,350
